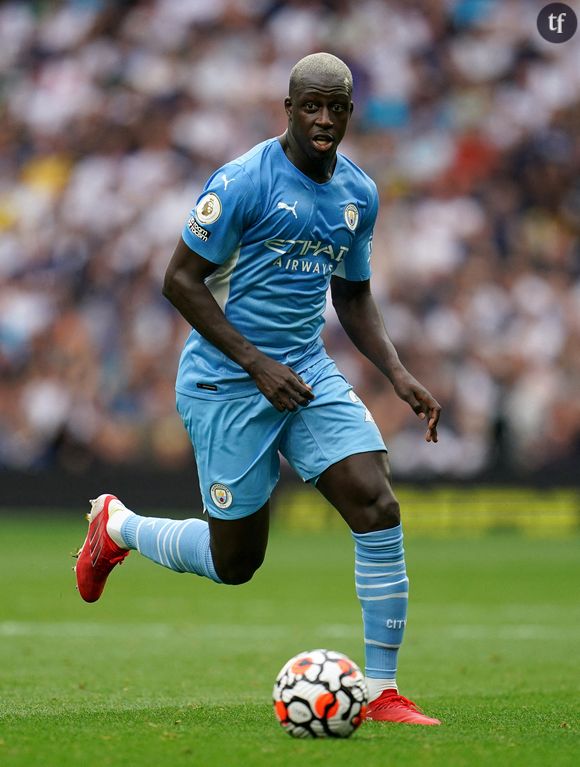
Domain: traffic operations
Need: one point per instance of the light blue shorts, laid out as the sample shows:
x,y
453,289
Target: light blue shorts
x,y
237,441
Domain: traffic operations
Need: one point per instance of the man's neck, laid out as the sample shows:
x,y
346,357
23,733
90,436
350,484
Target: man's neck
x,y
320,171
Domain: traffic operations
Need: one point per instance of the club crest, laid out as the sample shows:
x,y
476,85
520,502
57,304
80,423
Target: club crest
x,y
221,495
208,209
351,216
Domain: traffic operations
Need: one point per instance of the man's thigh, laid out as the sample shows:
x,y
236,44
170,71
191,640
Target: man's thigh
x,y
359,488
335,425
236,451
238,546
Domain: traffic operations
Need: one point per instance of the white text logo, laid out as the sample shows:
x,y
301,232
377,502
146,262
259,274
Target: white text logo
x,y
306,248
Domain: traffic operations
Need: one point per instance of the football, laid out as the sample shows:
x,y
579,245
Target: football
x,y
320,694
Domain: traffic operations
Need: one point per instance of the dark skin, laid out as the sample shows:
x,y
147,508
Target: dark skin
x,y
318,111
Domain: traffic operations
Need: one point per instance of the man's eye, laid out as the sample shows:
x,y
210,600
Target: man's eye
x,y
338,107
310,106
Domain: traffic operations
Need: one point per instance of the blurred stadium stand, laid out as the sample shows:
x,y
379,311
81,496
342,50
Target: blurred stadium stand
x,y
112,115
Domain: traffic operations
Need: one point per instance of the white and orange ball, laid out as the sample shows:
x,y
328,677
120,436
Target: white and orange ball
x,y
320,694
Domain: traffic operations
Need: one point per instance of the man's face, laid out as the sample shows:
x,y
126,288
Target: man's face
x,y
318,114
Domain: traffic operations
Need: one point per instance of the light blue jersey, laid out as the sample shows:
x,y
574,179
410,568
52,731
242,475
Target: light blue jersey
x,y
278,237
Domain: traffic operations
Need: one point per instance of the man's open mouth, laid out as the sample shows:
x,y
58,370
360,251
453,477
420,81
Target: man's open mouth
x,y
323,141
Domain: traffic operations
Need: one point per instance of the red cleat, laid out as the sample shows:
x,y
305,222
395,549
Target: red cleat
x,y
99,553
392,707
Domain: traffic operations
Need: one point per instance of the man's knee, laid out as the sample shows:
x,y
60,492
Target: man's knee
x,y
239,570
379,511
238,546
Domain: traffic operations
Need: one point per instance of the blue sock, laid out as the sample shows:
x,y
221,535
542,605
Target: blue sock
x,y
180,545
382,587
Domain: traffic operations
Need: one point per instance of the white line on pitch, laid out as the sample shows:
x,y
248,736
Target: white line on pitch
x,y
240,632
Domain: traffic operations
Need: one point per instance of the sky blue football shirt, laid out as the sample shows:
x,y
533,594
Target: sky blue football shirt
x,y
278,237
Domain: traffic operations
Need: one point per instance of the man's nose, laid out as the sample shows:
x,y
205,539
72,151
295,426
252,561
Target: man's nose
x,y
324,117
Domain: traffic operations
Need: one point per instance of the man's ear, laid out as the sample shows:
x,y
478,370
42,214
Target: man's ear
x,y
288,106
351,108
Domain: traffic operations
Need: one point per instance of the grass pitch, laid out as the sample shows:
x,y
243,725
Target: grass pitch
x,y
173,670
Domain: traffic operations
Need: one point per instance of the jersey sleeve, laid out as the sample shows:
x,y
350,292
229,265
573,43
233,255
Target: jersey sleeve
x,y
357,264
223,211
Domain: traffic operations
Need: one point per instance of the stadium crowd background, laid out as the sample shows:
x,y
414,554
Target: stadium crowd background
x,y
112,115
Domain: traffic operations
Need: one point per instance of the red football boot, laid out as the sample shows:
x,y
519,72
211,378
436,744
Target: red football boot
x,y
99,553
392,707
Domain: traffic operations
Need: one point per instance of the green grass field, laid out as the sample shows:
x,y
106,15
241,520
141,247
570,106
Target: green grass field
x,y
173,670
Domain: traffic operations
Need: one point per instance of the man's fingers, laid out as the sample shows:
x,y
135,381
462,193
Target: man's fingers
x,y
431,435
415,405
425,407
434,414
292,394
299,391
302,388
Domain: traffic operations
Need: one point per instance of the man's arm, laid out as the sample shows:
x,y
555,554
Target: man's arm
x,y
359,316
184,286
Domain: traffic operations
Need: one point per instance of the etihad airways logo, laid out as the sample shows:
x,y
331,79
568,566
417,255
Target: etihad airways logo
x,y
299,248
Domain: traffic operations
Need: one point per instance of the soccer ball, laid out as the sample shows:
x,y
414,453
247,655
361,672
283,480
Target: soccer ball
x,y
320,694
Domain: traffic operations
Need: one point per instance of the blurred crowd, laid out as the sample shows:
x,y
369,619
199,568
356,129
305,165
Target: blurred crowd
x,y
113,114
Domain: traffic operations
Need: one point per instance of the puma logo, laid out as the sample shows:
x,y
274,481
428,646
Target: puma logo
x,y
291,208
226,181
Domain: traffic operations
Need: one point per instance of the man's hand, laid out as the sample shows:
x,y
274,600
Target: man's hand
x,y
362,320
280,384
423,403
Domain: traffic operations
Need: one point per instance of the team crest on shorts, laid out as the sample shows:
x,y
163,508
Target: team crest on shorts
x,y
351,216
221,495
208,209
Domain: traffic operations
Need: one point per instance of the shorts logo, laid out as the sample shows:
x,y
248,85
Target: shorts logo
x,y
351,216
198,230
368,416
221,495
208,209
353,398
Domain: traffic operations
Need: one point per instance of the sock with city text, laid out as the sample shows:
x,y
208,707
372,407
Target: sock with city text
x,y
382,587
180,545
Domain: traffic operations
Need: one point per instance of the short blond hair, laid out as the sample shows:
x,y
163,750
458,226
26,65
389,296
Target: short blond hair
x,y
320,65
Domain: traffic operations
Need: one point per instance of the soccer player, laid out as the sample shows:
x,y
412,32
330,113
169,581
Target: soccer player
x,y
270,231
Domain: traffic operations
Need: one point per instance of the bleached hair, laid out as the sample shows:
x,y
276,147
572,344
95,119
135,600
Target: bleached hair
x,y
320,65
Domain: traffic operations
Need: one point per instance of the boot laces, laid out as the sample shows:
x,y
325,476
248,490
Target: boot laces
x,y
394,699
